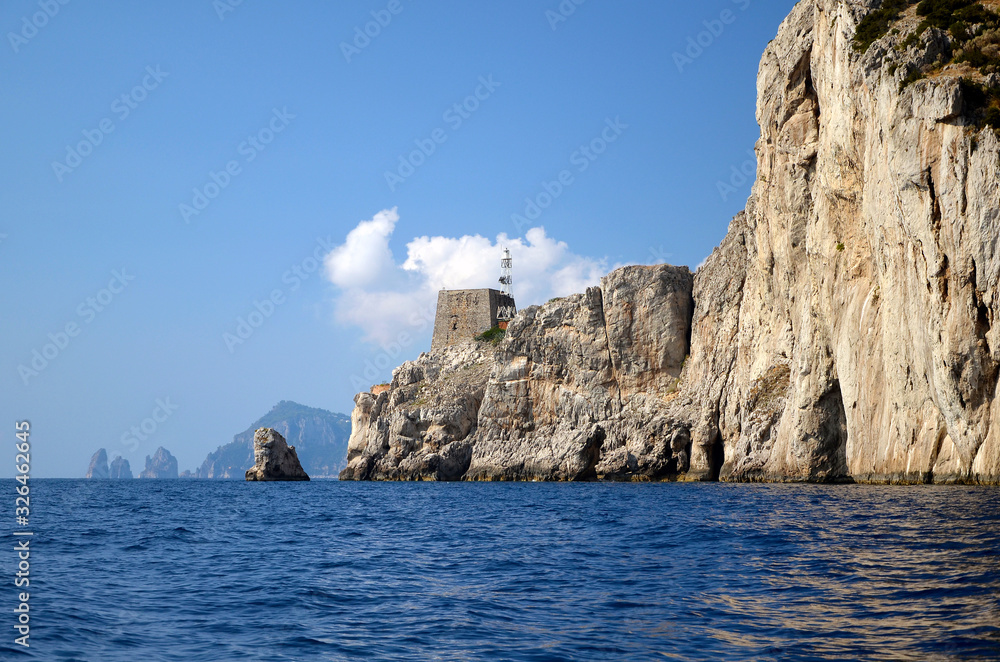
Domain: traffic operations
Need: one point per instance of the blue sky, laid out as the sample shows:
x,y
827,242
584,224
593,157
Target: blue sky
x,y
345,177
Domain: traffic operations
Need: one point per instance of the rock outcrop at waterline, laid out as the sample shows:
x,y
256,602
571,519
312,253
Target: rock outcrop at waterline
x,y
274,459
843,330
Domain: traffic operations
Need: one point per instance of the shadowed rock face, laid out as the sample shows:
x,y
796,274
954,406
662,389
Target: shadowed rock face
x,y
161,465
120,469
842,331
274,459
98,465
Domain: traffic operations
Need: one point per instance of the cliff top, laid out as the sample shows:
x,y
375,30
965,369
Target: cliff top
x,y
940,38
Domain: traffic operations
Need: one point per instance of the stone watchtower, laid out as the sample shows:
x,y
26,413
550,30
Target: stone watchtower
x,y
463,314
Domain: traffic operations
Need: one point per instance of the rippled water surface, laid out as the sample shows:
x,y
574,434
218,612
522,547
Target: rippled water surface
x,y
199,570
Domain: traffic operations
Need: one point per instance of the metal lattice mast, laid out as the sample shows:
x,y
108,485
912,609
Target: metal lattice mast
x,y
505,277
507,309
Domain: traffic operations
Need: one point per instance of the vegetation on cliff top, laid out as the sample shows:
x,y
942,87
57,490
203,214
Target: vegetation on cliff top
x,y
974,38
873,26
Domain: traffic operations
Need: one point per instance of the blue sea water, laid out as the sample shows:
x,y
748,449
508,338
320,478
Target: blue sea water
x,y
201,570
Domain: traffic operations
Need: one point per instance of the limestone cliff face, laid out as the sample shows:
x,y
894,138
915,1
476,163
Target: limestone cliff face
x,y
842,330
419,429
583,384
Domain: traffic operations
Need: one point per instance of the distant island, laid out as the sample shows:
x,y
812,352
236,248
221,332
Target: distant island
x,y
319,436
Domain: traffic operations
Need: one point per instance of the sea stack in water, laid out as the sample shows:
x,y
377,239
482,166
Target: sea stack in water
x,y
120,469
98,465
273,458
161,465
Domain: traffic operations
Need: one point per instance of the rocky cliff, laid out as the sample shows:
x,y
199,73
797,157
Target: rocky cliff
x,y
319,435
843,329
579,388
99,468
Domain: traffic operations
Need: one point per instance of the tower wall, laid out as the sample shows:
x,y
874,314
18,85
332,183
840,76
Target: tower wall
x,y
463,314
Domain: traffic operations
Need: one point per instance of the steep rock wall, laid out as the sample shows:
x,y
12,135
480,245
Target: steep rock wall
x,y
843,329
867,273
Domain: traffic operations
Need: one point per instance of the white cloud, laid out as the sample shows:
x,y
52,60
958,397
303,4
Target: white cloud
x,y
385,299
364,257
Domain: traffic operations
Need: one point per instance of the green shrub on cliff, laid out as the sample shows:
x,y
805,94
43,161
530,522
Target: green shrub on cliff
x,y
944,13
873,26
494,335
982,104
911,78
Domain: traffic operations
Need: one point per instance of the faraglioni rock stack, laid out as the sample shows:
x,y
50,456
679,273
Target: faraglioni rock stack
x,y
842,331
98,468
161,465
120,469
273,458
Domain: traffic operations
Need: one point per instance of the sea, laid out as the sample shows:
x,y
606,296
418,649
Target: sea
x,y
148,570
